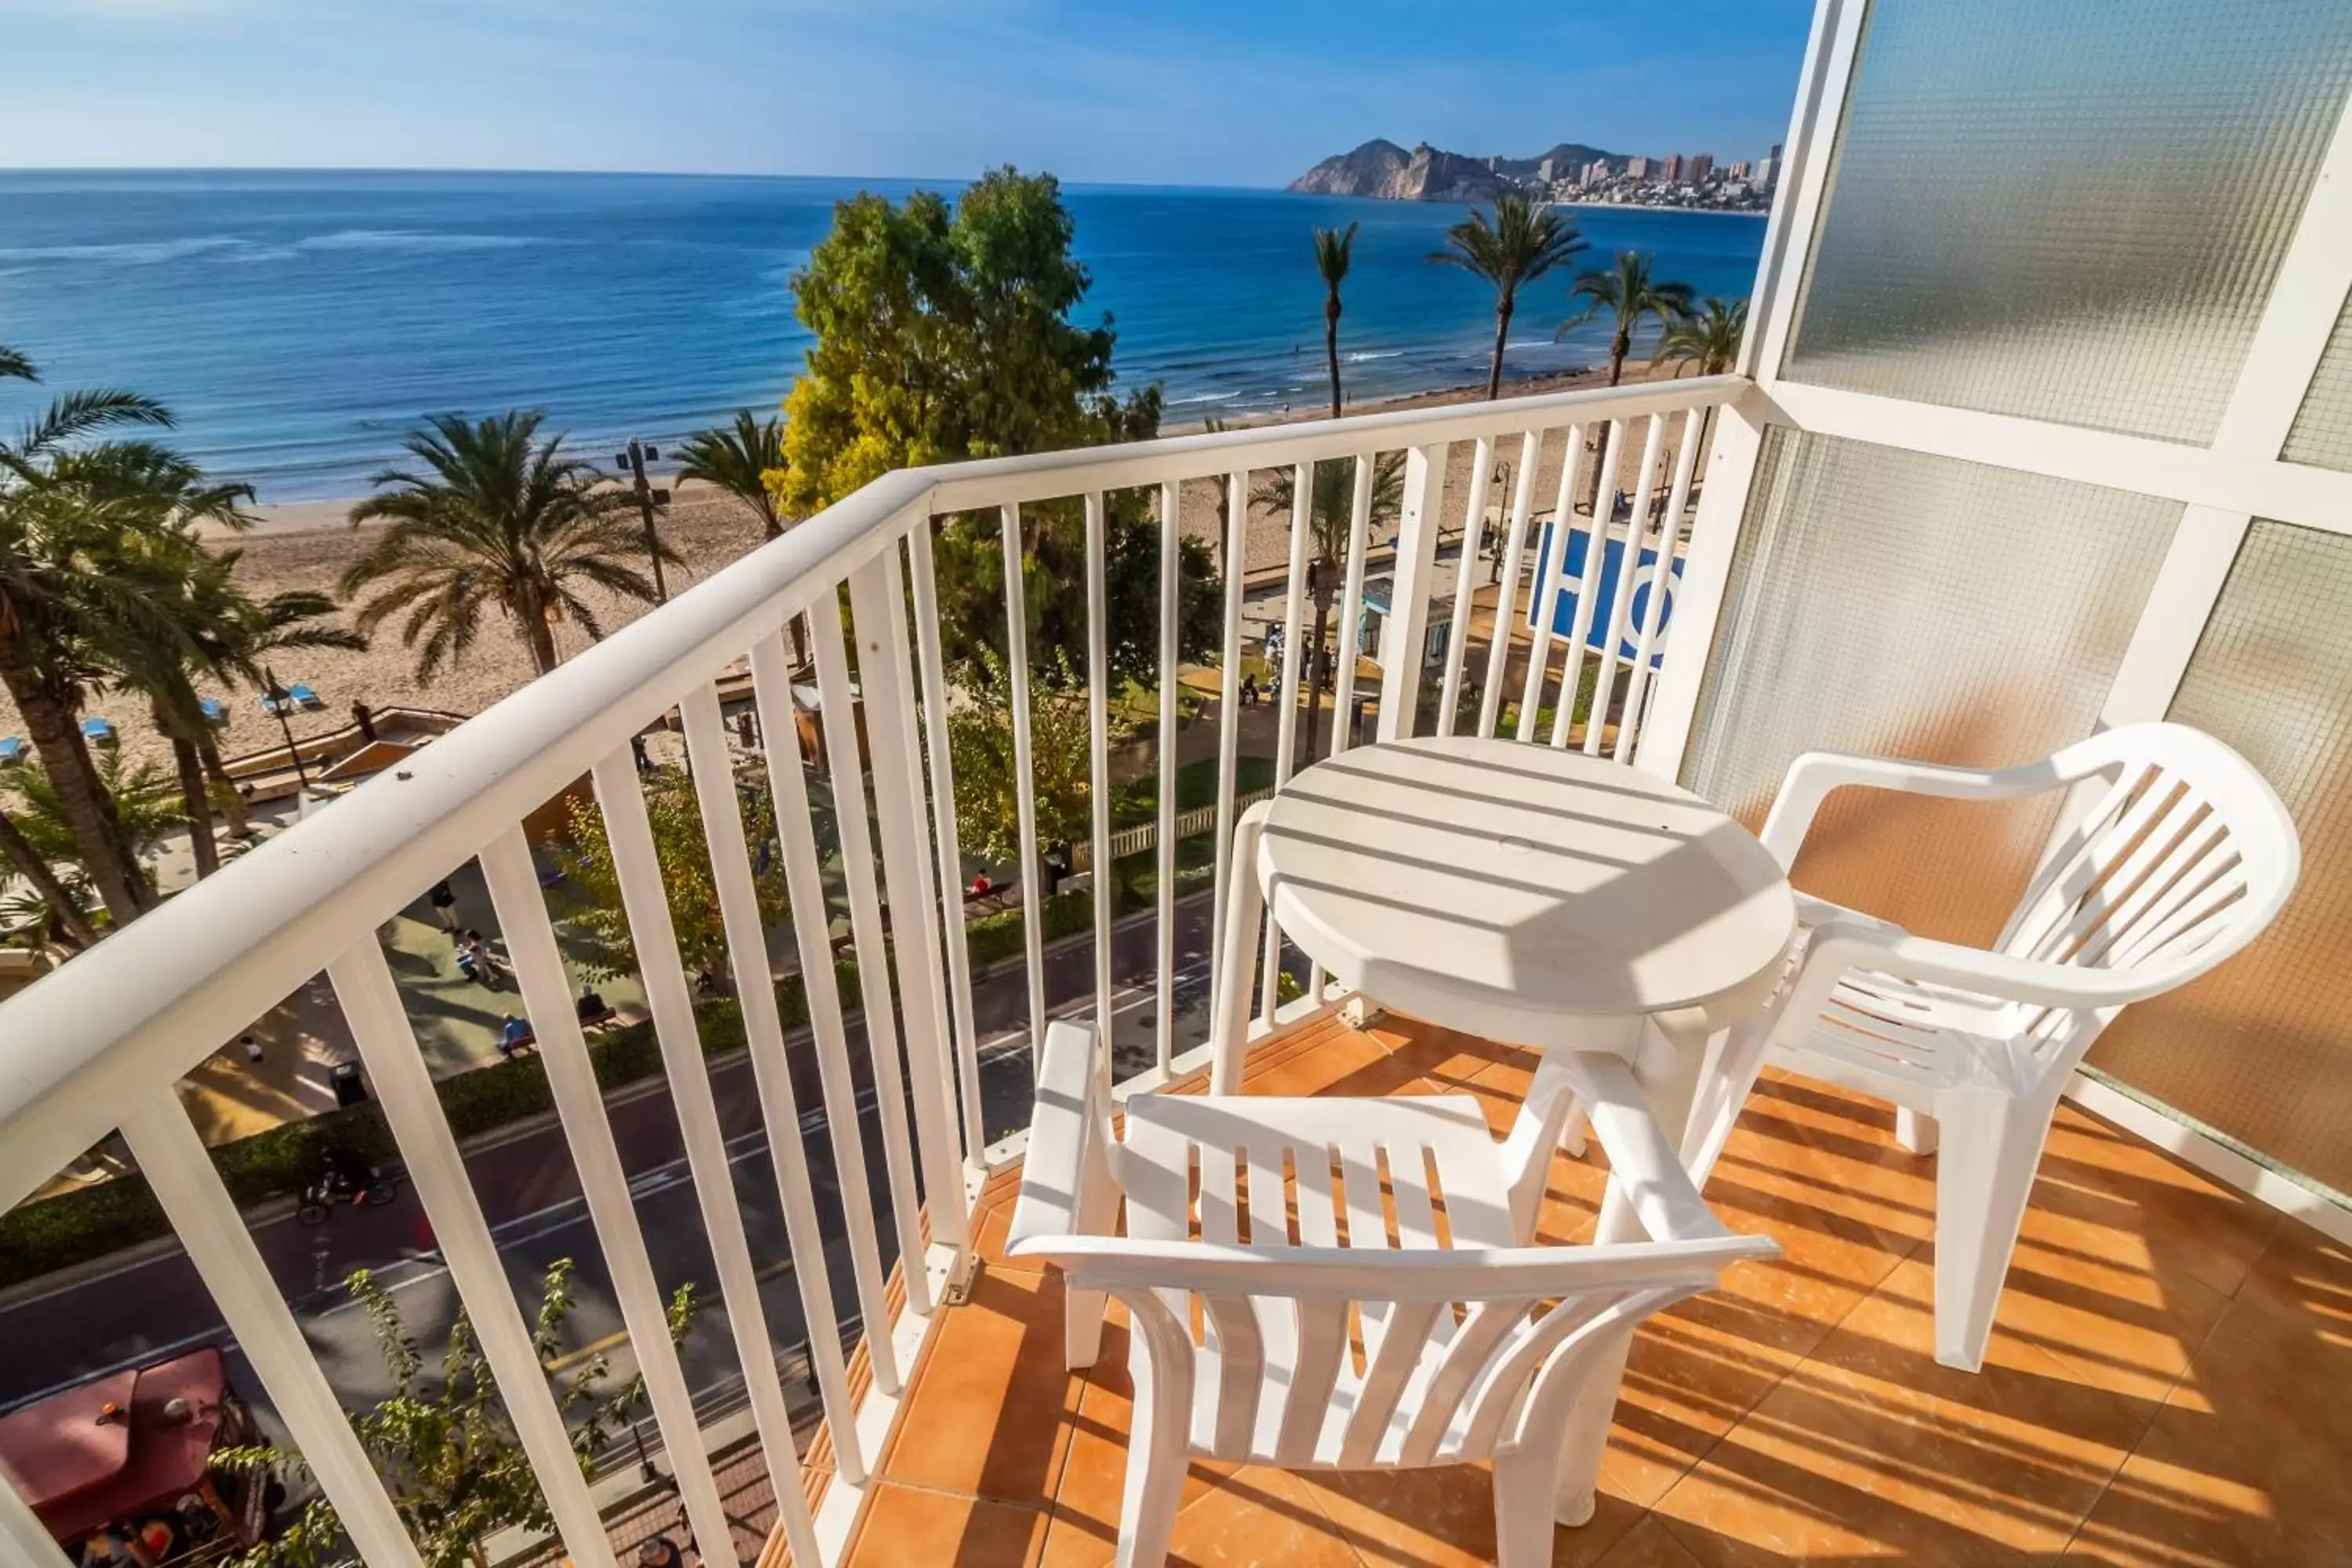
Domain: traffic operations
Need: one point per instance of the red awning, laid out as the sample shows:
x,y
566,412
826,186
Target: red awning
x,y
81,1469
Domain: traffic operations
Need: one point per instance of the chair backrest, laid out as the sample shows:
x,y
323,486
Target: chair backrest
x,y
1345,1331
2182,857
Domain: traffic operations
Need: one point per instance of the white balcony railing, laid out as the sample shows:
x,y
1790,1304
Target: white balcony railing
x,y
96,1047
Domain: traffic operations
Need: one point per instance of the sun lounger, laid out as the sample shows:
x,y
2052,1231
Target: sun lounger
x,y
12,749
215,710
98,732
305,696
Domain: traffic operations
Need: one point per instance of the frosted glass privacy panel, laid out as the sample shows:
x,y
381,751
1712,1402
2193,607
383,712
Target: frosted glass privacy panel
x,y
2259,1049
1893,604
2323,427
2067,212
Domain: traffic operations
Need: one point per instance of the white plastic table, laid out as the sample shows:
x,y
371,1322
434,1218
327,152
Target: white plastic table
x,y
1532,896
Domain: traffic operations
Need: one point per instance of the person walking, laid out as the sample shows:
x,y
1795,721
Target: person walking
x,y
444,900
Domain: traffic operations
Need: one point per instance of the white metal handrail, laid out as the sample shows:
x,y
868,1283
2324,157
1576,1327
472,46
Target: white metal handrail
x,y
96,1047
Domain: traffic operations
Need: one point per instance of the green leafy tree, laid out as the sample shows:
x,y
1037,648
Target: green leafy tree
x,y
987,779
495,518
684,854
944,334
446,1446
1630,295
76,498
39,831
1334,247
1522,243
1331,502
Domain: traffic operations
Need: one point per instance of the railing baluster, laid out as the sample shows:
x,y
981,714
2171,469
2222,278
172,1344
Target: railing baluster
x,y
821,992
25,1540
1552,578
943,819
1098,756
1457,632
188,1188
1621,606
1352,607
856,837
1661,581
395,1067
1498,642
1024,775
1229,717
644,900
1404,630
562,1047
1286,724
763,1034
886,676
1587,590
1171,602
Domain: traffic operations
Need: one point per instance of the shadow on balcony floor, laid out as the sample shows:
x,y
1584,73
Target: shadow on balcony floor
x,y
2168,1381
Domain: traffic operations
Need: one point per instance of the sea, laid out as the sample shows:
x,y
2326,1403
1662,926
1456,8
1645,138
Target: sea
x,y
297,322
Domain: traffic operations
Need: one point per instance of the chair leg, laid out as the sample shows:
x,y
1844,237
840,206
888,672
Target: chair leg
x,y
1984,1177
1157,1457
1523,1506
1244,913
1915,1131
1577,1469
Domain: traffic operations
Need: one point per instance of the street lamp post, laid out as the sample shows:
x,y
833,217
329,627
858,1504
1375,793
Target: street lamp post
x,y
632,462
280,700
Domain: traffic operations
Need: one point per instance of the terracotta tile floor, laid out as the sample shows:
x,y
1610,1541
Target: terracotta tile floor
x,y
2171,1380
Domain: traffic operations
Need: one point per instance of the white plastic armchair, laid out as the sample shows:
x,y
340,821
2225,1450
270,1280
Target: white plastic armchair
x,y
2182,857
1398,1226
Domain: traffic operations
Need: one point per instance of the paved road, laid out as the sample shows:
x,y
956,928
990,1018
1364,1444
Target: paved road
x,y
156,1305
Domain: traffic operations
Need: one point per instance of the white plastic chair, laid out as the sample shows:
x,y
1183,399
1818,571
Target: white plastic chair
x,y
2182,857
1474,1344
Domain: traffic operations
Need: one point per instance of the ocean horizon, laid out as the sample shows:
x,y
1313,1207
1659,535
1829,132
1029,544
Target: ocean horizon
x,y
299,321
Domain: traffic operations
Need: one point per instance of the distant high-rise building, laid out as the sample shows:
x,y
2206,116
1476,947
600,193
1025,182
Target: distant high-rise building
x,y
1738,171
1766,173
1543,171
1639,167
1674,173
1700,167
1596,171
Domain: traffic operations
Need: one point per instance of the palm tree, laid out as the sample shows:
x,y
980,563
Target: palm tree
x,y
1330,510
1522,244
495,518
1332,248
142,799
1709,337
1632,296
52,903
69,499
736,458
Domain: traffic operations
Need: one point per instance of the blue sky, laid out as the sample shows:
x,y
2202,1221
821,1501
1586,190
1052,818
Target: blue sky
x,y
1199,91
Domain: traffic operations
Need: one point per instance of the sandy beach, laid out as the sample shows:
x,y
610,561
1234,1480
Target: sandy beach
x,y
309,544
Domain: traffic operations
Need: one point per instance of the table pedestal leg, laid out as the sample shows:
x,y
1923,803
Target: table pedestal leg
x,y
1667,1065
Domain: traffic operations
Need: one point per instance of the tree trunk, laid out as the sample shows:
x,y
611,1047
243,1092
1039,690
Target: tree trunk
x,y
800,643
1318,661
1619,347
83,801
538,634
36,871
232,799
192,799
1502,332
1331,346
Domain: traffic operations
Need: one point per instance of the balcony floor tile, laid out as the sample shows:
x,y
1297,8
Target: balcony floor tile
x,y
2168,1382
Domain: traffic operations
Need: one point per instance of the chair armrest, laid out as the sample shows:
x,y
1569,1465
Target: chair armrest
x,y
1881,949
1812,778
1068,1129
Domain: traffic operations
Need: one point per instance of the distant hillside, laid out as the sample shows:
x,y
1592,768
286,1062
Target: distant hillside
x,y
1381,168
